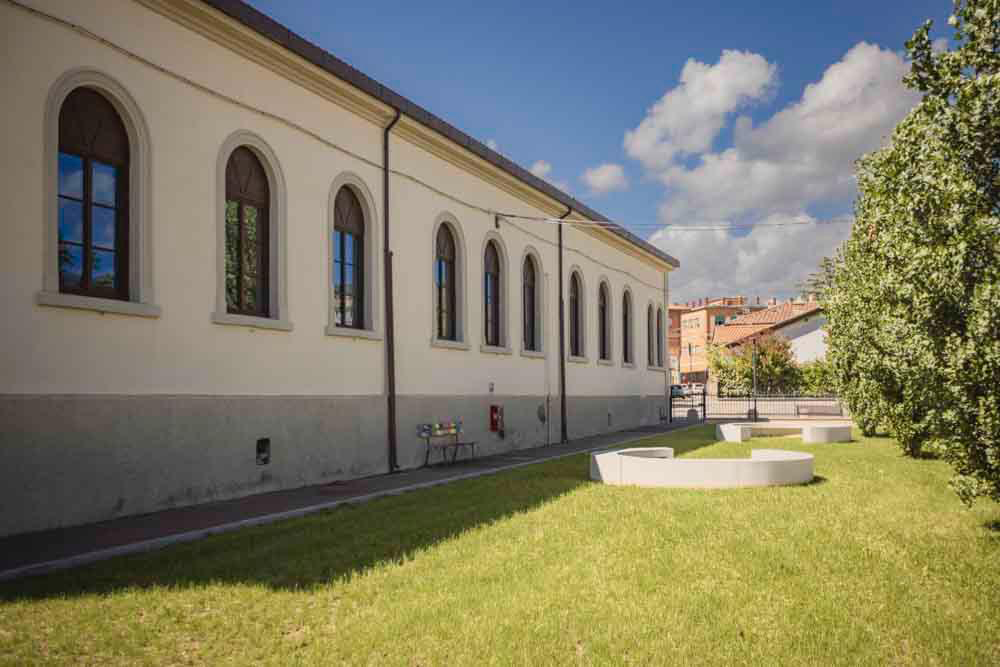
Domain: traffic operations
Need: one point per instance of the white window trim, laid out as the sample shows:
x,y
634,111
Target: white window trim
x,y
540,282
608,323
505,277
461,330
372,246
141,298
277,230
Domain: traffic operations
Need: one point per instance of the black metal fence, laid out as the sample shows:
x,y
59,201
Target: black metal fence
x,y
702,406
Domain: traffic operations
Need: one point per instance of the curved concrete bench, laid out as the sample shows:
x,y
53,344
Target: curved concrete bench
x,y
812,432
657,467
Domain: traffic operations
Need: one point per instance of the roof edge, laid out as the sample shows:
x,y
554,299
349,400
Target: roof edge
x,y
267,27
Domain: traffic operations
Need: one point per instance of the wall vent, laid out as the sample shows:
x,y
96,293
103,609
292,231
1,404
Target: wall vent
x,y
263,451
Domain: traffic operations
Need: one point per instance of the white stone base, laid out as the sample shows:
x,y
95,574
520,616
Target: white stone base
x,y
657,467
811,432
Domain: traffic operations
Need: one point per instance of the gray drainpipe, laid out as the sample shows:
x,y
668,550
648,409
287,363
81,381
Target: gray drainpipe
x,y
390,338
562,338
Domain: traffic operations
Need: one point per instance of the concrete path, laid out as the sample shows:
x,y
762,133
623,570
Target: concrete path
x,y
36,553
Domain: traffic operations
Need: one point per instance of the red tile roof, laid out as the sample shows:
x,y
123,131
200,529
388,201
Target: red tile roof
x,y
743,326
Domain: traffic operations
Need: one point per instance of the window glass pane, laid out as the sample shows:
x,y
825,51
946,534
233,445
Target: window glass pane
x,y
232,254
103,182
104,269
348,296
70,265
348,248
70,175
250,258
102,227
70,220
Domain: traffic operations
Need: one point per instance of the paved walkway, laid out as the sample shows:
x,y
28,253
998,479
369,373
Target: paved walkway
x,y
35,553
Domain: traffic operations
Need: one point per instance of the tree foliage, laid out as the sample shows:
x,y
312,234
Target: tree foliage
x,y
777,372
914,311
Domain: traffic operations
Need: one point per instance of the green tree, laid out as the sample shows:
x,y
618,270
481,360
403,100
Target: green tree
x,y
818,378
914,312
820,281
777,372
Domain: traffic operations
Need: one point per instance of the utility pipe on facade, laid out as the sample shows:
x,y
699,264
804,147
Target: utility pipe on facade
x,y
390,333
562,338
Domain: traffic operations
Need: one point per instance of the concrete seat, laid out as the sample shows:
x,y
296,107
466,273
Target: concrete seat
x,y
811,432
657,467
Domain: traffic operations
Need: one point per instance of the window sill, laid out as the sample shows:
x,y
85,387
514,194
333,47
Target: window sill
x,y
449,344
605,362
493,349
626,364
348,332
532,354
251,322
97,304
658,369
577,360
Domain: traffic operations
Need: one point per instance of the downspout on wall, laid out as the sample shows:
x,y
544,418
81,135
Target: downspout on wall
x,y
564,433
390,332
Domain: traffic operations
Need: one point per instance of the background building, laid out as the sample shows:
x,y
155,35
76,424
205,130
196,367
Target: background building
x,y
697,328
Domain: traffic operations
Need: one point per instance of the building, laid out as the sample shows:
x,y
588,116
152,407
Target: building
x,y
235,264
697,328
799,322
675,311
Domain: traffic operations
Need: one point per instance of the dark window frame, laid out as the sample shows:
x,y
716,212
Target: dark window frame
x,y
349,229
529,304
244,197
650,345
603,348
626,328
659,338
92,131
575,330
446,317
492,295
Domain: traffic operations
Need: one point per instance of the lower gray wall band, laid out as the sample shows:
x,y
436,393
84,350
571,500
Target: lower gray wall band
x,y
71,460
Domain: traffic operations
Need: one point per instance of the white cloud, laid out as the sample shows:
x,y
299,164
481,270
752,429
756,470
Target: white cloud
x,y
605,178
804,154
687,119
769,261
541,168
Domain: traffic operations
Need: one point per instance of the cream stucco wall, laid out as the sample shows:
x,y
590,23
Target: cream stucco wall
x,y
807,338
183,351
191,395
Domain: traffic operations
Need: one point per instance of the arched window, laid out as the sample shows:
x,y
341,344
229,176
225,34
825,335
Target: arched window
x,y
603,323
659,337
491,295
529,303
650,342
348,260
93,197
627,328
575,332
444,278
248,198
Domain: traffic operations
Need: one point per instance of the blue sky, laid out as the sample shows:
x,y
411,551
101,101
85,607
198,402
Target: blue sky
x,y
742,141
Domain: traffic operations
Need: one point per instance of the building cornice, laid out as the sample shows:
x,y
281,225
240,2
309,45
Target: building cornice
x,y
247,32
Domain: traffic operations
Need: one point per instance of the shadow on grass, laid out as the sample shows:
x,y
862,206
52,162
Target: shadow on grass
x,y
816,481
302,554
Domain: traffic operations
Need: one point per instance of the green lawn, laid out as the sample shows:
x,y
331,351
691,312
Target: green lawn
x,y
876,562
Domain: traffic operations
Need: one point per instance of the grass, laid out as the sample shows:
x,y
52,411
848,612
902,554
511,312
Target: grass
x,y
876,562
